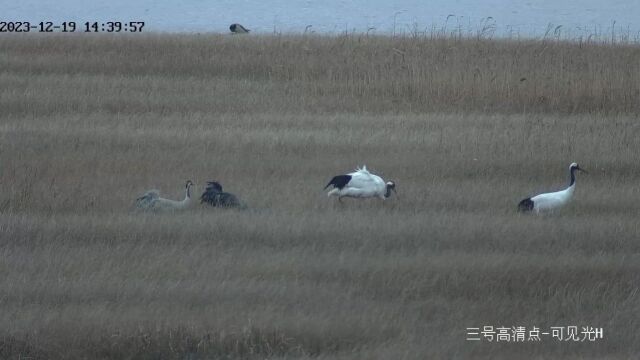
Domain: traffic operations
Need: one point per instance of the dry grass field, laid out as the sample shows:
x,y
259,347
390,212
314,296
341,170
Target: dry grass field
x,y
466,128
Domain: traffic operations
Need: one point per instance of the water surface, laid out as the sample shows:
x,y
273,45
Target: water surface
x,y
528,18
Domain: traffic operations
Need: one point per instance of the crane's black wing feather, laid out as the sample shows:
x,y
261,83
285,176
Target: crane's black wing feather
x,y
214,186
339,181
525,205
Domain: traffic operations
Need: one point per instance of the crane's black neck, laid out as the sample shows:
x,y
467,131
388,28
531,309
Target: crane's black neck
x,y
388,193
573,176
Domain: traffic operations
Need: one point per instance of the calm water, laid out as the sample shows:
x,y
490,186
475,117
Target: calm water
x,y
500,17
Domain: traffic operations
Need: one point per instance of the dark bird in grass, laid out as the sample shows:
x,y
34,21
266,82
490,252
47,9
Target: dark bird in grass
x,y
238,29
214,196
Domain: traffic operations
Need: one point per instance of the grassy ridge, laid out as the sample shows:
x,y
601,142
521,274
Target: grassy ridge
x,y
89,123
317,74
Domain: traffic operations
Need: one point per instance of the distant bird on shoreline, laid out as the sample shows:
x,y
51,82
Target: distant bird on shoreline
x,y
238,29
214,196
553,200
151,200
360,184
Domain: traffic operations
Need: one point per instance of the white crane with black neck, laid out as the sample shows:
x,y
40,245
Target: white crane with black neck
x,y
360,184
553,200
151,200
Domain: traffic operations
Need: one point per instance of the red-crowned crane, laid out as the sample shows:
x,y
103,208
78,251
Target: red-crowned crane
x,y
360,184
151,200
553,200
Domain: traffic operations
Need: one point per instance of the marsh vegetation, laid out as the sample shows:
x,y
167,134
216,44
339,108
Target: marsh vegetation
x,y
466,128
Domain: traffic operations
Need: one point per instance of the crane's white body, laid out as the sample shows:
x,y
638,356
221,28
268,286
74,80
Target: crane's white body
x,y
553,200
360,184
151,201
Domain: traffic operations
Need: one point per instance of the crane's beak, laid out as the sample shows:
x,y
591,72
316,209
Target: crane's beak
x,y
395,192
583,170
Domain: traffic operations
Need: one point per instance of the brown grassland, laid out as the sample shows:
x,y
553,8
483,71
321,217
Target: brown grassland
x,y
466,128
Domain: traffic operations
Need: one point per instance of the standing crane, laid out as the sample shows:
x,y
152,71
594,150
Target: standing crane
x,y
553,200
